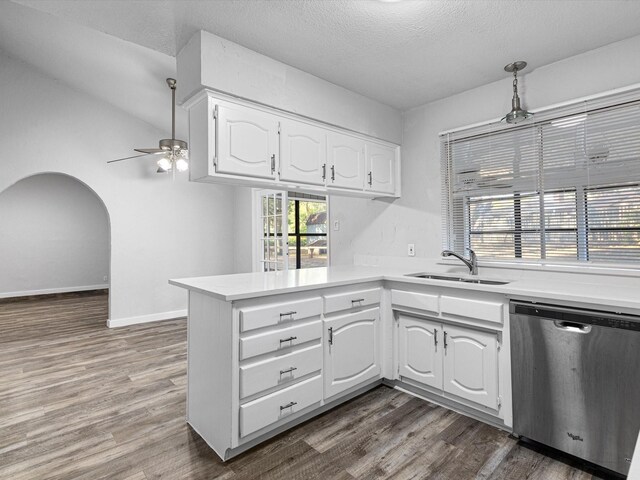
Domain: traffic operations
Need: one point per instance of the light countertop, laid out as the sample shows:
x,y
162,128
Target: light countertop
x,y
600,293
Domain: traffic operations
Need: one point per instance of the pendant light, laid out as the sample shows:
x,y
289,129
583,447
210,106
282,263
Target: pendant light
x,y
517,114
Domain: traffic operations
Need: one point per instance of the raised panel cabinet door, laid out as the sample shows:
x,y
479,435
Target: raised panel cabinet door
x,y
352,353
471,365
420,350
303,153
247,142
346,161
380,168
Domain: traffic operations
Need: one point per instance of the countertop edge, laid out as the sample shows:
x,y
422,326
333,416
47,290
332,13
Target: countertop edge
x,y
517,289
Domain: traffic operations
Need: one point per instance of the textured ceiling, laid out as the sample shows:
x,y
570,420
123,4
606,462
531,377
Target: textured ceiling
x,y
400,53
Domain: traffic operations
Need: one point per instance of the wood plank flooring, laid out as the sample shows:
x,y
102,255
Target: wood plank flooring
x,y
81,401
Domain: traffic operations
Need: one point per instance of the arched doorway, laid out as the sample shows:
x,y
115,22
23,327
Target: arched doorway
x,y
54,238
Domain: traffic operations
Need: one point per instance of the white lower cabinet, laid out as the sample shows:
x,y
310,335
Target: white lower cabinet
x,y
351,350
259,365
279,405
471,365
420,351
453,359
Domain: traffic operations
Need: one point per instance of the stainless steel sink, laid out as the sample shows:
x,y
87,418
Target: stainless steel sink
x,y
451,278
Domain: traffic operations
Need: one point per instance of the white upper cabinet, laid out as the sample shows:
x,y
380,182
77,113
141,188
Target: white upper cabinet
x,y
381,165
346,161
303,153
420,351
471,365
246,142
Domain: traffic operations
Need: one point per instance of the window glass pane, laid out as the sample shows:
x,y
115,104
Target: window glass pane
x,y
307,244
614,223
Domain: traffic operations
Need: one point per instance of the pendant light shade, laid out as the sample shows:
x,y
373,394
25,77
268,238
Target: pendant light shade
x,y
517,114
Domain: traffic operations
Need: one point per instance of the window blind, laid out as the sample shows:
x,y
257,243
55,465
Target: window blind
x,y
565,187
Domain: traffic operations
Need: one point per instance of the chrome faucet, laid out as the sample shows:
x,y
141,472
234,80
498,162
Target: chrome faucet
x,y
472,263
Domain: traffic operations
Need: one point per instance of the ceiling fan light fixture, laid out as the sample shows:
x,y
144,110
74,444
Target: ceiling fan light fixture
x,y
164,164
517,114
174,152
182,165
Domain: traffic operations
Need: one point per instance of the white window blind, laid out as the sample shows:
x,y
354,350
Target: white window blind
x,y
564,187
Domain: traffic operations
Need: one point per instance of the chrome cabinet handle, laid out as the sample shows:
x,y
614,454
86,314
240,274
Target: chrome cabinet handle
x,y
330,335
370,179
445,340
288,405
324,171
273,163
288,314
290,339
357,300
288,370
333,173
435,338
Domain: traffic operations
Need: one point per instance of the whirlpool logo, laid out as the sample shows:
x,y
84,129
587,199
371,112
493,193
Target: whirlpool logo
x,y
575,437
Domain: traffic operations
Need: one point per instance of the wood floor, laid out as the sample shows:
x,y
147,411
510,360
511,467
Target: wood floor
x,y
81,401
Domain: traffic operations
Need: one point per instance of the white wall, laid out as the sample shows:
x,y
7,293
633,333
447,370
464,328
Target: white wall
x,y
213,62
160,228
383,228
54,237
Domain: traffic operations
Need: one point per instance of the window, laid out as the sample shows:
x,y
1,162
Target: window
x,y
291,230
566,187
307,221
272,248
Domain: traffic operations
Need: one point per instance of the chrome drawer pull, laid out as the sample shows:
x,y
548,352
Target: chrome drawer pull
x,y
358,300
330,335
288,314
288,405
290,339
289,370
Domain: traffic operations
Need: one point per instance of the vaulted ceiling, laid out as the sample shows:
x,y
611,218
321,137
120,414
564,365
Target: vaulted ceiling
x,y
403,53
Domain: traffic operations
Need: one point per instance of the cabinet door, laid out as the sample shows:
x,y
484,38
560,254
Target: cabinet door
x,y
247,142
303,153
471,365
380,168
420,350
352,354
346,161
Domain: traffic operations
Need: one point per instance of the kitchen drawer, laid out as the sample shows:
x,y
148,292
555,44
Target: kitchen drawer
x,y
269,409
476,309
345,301
418,301
280,339
274,314
283,369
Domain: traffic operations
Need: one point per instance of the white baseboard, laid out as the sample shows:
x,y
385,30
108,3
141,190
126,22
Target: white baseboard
x,y
48,291
153,317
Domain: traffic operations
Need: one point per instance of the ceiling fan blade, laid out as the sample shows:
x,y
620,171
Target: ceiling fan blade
x,y
150,150
127,158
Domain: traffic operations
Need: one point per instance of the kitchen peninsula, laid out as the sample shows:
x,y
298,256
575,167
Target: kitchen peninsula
x,y
267,351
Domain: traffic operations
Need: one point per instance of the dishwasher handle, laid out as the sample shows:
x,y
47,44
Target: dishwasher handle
x,y
574,327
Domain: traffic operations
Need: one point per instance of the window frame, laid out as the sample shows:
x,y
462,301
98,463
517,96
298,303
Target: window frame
x,y
258,232
458,233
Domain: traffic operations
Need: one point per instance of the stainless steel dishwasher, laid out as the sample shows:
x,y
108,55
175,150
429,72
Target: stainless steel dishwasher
x,y
576,381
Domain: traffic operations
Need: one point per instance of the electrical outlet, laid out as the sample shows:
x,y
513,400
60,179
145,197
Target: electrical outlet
x,y
336,225
104,279
411,250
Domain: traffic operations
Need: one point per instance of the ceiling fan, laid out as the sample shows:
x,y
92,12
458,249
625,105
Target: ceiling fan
x,y
174,152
